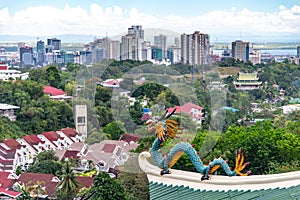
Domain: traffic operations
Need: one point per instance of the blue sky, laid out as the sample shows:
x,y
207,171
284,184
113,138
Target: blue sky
x,y
255,18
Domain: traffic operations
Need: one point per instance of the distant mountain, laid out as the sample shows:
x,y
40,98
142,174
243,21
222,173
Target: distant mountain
x,y
151,32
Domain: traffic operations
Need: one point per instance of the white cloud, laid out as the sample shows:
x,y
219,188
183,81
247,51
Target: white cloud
x,y
48,20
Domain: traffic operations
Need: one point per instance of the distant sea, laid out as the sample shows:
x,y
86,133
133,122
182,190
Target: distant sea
x,y
273,52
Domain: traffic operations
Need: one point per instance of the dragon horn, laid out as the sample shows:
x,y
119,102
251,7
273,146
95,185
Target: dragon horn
x,y
163,115
171,113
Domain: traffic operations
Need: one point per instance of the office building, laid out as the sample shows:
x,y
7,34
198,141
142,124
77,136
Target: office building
x,y
53,44
40,53
40,46
298,51
240,50
28,55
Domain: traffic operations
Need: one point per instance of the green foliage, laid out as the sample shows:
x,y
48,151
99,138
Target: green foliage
x,y
46,167
135,185
9,129
145,143
69,186
96,137
115,129
53,76
47,155
106,188
46,163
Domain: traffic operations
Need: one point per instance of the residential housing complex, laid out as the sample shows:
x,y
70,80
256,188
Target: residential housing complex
x,y
23,151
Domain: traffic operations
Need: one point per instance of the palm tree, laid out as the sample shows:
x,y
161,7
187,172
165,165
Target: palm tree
x,y
69,186
36,189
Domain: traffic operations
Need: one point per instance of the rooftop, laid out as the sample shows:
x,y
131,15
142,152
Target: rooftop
x,y
247,76
53,91
4,106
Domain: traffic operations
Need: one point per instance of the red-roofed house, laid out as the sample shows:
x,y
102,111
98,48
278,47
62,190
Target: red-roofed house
x,y
108,154
54,139
47,181
72,154
12,155
191,109
55,93
112,83
130,138
85,182
7,181
34,146
70,134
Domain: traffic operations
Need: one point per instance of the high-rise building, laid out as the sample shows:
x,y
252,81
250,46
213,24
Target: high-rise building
x,y
131,44
298,51
40,52
20,44
160,41
110,48
174,54
176,41
195,48
40,46
29,54
255,57
240,50
156,53
131,47
137,31
53,44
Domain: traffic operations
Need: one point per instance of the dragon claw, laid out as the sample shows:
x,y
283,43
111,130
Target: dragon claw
x,y
205,178
163,172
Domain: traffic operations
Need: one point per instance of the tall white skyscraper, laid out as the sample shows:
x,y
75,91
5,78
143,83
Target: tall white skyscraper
x,y
136,30
131,44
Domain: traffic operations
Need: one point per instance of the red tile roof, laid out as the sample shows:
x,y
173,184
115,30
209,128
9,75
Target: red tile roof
x,y
10,193
53,91
109,148
85,181
130,137
186,108
70,132
71,154
5,181
51,135
12,144
33,178
112,82
32,139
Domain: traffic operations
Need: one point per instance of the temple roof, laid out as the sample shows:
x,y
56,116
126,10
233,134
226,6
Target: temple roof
x,y
247,76
160,191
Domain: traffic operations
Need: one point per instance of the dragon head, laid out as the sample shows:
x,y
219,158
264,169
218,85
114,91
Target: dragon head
x,y
163,127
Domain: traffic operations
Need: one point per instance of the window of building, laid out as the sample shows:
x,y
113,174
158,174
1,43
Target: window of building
x,y
81,119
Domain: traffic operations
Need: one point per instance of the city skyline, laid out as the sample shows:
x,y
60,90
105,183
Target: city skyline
x,y
261,21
